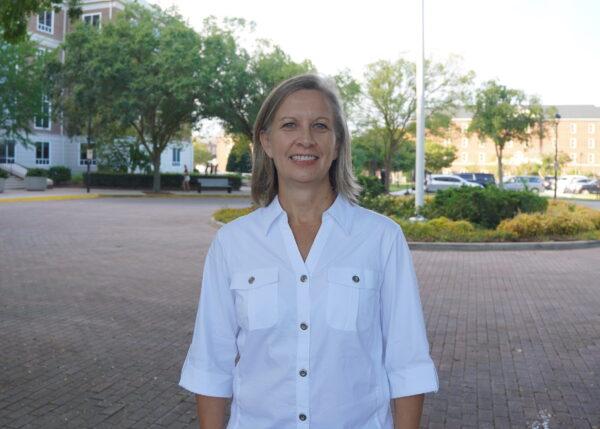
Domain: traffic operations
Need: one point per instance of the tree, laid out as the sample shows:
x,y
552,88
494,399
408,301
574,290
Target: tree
x,y
503,114
391,92
240,157
546,120
547,167
234,82
21,89
201,153
438,156
145,69
15,14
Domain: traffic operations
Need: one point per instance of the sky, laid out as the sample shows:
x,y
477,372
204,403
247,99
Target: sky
x,y
548,48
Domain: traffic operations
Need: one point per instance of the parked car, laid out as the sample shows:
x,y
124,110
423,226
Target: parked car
x,y
483,179
582,186
438,182
523,183
564,181
548,182
573,186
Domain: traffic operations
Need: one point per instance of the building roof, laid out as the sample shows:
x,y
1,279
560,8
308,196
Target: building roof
x,y
566,111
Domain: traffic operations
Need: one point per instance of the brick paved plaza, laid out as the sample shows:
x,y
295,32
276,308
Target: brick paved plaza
x,y
98,299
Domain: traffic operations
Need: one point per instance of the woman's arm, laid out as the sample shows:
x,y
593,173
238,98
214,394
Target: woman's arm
x,y
211,412
407,411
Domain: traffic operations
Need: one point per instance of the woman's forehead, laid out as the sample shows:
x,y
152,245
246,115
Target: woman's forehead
x,y
305,102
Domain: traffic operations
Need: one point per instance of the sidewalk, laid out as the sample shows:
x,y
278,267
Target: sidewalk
x,y
21,195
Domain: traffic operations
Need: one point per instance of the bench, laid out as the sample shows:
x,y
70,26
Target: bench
x,y
206,183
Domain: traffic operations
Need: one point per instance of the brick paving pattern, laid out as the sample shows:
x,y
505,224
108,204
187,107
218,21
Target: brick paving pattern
x,y
98,298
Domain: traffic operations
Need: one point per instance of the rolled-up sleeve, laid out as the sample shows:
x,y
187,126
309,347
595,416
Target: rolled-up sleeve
x,y
208,367
407,361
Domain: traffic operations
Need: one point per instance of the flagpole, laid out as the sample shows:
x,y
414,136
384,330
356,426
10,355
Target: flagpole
x,y
420,155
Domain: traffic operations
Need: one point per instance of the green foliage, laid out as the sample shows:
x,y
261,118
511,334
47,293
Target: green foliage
x,y
201,153
21,88
59,174
484,206
438,156
3,174
350,92
391,91
122,155
547,167
560,220
371,186
240,157
402,207
145,181
233,81
15,14
144,67
503,114
37,172
227,215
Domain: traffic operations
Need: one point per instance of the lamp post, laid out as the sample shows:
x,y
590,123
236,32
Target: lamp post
x,y
556,119
420,117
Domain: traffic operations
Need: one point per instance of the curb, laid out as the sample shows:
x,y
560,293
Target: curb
x,y
93,196
496,247
490,246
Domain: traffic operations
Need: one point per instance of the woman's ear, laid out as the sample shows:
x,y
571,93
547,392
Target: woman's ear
x,y
265,142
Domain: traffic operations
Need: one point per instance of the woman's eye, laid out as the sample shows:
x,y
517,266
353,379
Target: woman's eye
x,y
288,125
321,126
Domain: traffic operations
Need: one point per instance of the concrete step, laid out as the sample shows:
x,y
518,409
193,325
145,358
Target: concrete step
x,y
14,183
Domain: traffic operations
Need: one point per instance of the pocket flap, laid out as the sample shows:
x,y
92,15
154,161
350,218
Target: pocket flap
x,y
254,278
353,277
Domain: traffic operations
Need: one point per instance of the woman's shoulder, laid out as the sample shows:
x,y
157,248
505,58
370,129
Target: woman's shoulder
x,y
369,219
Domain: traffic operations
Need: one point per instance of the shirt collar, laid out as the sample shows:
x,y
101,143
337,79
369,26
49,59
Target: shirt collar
x,y
341,211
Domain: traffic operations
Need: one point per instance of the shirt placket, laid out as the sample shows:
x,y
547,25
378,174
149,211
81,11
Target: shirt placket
x,y
302,274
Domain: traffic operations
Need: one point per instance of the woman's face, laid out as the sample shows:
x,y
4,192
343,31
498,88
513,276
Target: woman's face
x,y
301,139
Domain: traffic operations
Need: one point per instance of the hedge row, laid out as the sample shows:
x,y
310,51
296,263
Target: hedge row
x,y
144,181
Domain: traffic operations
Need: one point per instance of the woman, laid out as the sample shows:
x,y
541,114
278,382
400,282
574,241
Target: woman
x,y
186,179
315,296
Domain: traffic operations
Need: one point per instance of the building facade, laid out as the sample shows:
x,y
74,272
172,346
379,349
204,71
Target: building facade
x,y
577,135
51,145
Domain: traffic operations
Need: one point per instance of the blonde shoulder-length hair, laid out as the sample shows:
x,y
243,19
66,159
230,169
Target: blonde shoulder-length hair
x,y
264,172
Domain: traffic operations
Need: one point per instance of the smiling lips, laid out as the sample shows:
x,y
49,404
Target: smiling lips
x,y
304,160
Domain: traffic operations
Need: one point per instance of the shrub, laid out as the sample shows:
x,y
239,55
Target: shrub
x,y
144,181
59,174
486,207
227,215
37,172
3,174
390,205
371,186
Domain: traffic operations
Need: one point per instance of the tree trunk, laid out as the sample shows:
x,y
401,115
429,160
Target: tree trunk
x,y
387,166
500,172
156,178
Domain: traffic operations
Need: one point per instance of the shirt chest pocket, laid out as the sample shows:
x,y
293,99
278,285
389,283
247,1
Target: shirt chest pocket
x,y
352,298
256,297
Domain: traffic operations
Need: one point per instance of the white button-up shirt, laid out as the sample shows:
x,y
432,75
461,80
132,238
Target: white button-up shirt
x,y
322,343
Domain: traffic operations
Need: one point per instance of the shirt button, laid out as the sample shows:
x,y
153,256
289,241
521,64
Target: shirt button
x,y
251,280
303,373
303,278
302,417
355,279
303,326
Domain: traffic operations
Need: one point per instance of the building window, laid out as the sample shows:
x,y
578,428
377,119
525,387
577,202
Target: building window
x,y
92,19
592,143
42,121
45,21
465,143
83,155
42,153
465,157
481,157
573,143
176,157
591,128
591,158
574,157
573,128
7,152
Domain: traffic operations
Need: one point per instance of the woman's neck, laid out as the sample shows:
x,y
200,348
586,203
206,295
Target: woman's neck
x,y
305,206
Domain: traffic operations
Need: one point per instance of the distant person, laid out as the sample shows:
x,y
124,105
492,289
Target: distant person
x,y
186,179
309,313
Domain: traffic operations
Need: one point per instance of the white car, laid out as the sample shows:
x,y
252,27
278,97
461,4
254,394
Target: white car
x,y
522,183
574,186
564,181
438,182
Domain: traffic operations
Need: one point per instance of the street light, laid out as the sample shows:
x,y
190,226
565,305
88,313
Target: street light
x,y
557,118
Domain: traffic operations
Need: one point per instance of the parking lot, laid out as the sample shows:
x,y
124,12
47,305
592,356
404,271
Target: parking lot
x,y
98,299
